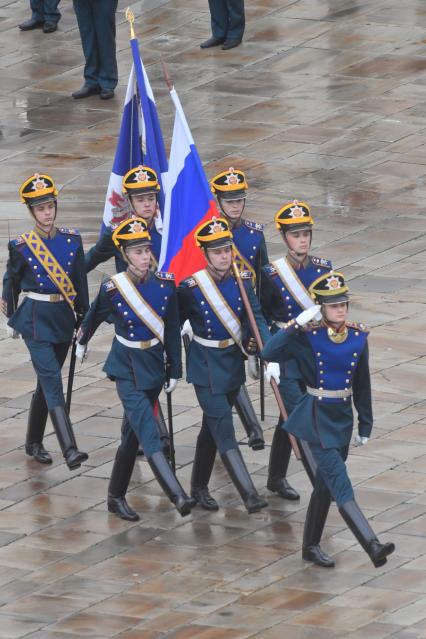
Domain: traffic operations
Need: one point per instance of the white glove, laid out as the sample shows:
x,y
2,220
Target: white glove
x,y
187,329
10,332
170,386
81,352
308,315
360,441
253,367
272,372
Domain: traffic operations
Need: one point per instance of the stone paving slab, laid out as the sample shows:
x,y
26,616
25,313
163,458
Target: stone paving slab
x,y
323,101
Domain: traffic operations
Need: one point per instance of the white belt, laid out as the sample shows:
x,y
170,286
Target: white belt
x,y
143,345
214,343
45,297
281,324
329,394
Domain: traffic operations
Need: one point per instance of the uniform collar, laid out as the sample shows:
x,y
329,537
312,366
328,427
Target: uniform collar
x,y
139,280
341,328
297,266
43,234
215,276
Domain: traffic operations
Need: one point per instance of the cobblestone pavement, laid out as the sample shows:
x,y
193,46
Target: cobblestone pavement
x,y
323,101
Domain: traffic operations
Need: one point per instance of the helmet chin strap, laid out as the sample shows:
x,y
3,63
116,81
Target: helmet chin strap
x,y
297,256
232,221
213,268
132,268
30,208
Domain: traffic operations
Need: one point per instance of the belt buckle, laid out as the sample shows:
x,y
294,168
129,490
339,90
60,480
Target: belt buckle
x,y
55,297
145,344
223,343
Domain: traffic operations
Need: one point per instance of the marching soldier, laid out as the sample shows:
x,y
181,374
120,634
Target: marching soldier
x,y
333,362
144,307
211,301
140,190
250,255
47,265
284,295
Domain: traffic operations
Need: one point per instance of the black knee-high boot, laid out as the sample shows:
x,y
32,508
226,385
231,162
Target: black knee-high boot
x,y
37,417
121,475
169,483
248,418
278,464
359,526
64,432
202,467
316,516
237,470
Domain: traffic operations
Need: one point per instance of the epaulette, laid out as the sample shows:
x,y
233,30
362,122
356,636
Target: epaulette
x,y
321,261
245,275
109,286
254,226
165,275
270,269
190,282
67,231
310,326
358,326
18,240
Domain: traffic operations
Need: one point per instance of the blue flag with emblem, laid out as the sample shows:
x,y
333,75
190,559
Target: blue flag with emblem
x,y
140,141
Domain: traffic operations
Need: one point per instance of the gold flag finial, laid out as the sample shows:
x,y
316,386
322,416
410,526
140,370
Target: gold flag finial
x,y
130,17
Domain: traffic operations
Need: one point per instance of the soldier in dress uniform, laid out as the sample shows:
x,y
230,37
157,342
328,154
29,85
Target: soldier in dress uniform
x,y
144,307
47,266
211,301
333,360
140,191
250,255
284,295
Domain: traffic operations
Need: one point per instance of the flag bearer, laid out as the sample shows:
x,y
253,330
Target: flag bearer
x,y
140,198
211,301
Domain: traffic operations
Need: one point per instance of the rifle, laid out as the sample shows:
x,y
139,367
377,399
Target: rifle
x,y
256,333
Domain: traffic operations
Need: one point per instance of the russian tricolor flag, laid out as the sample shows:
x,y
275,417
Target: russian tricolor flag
x,y
189,202
140,141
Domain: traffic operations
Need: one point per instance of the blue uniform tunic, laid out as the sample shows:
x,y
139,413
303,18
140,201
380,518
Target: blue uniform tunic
x,y
327,423
105,249
279,305
249,239
139,373
217,373
47,327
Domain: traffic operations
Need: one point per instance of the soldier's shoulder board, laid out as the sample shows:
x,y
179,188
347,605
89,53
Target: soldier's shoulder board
x,y
245,275
67,231
165,275
254,226
321,261
17,241
109,286
358,326
270,269
310,327
190,282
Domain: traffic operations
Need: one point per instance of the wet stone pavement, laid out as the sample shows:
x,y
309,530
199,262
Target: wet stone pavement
x,y
323,101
